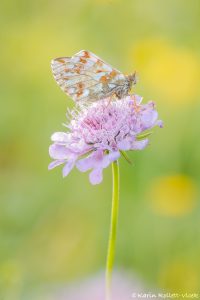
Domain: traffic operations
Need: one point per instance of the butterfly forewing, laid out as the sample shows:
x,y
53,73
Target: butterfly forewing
x,y
85,77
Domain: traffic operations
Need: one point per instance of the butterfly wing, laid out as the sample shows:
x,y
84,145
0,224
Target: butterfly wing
x,y
85,77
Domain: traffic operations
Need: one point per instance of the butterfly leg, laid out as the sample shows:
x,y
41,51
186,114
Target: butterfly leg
x,y
136,106
109,101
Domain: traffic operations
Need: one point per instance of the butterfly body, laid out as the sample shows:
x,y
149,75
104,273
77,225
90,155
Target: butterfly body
x,y
87,78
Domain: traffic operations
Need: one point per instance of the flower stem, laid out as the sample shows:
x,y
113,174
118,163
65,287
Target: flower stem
x,y
113,228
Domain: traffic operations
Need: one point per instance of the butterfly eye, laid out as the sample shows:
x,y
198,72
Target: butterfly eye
x,y
118,93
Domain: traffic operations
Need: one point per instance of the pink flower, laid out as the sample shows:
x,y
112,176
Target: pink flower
x,y
98,133
125,286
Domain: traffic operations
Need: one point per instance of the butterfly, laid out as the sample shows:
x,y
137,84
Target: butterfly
x,y
87,78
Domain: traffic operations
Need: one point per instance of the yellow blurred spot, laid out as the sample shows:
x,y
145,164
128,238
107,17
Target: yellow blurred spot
x,y
173,195
179,276
11,278
171,71
10,271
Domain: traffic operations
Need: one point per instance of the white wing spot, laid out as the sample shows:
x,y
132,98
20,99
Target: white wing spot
x,y
85,93
111,85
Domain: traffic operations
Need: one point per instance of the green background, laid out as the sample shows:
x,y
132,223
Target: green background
x,y
55,230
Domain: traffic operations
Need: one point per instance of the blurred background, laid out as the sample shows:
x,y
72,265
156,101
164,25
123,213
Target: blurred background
x,y
53,230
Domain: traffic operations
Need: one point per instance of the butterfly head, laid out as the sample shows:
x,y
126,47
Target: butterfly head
x,y
133,79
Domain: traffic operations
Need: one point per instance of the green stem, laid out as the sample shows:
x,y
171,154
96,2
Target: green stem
x,y
113,228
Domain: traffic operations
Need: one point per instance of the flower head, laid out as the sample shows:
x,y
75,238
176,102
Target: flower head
x,y
98,134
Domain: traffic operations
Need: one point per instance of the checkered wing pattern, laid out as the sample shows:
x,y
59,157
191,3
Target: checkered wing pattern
x,y
85,77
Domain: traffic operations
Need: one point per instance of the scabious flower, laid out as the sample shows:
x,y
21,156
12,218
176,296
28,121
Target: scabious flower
x,y
98,134
125,286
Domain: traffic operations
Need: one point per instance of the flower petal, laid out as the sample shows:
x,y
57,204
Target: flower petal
x,y
148,118
102,160
58,151
96,176
137,99
55,163
113,156
86,163
159,123
139,145
68,167
124,145
104,163
60,137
